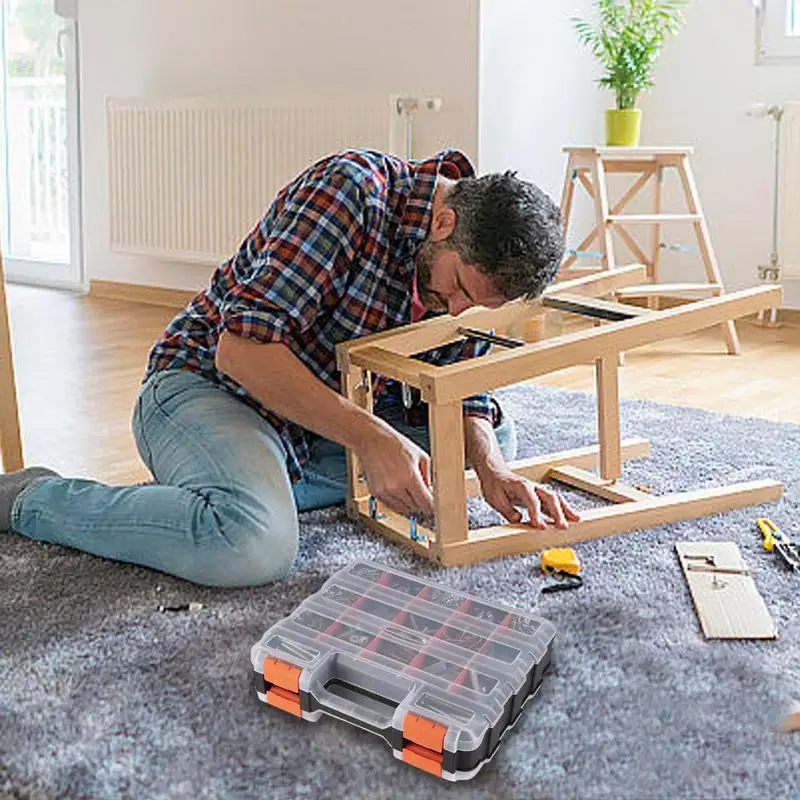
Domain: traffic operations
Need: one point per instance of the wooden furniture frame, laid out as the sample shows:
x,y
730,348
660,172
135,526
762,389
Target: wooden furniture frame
x,y
590,167
451,542
10,437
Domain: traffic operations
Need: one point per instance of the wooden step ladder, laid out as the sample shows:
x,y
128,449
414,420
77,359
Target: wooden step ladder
x,y
589,166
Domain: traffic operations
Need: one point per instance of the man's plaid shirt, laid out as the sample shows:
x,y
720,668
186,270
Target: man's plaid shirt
x,y
332,260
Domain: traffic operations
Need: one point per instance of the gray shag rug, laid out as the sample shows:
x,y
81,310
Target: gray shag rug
x,y
102,696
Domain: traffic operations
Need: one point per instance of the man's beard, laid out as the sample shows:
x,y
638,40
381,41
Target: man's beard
x,y
424,264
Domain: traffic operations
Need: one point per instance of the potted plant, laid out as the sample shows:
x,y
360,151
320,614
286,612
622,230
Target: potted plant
x,y
627,40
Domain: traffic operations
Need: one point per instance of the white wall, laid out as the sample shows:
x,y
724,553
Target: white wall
x,y
538,91
247,47
707,79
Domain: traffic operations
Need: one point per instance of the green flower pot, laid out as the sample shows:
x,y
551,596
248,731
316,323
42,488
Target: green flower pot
x,y
623,127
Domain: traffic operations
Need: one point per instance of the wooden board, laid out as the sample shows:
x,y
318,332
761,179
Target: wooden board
x,y
791,722
593,307
515,538
728,605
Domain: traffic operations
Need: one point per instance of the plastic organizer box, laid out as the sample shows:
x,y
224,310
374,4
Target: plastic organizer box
x,y
440,675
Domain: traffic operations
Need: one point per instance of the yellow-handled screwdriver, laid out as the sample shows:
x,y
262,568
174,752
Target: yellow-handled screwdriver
x,y
775,540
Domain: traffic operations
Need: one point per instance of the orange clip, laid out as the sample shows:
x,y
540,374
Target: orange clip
x,y
283,674
424,732
424,759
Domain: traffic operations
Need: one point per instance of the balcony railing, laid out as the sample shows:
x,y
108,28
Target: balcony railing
x,y
38,168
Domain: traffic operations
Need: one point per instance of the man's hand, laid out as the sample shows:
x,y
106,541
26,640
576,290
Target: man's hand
x,y
397,471
505,492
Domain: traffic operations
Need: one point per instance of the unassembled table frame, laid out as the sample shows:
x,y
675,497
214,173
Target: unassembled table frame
x,y
619,327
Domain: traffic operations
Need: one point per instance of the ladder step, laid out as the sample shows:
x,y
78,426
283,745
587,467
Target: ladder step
x,y
645,219
656,289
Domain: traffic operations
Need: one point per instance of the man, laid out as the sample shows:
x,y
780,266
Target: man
x,y
239,417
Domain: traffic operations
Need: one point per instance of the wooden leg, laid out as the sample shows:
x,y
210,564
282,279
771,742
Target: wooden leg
x,y
10,436
568,195
449,479
607,374
354,388
704,241
601,209
658,202
574,173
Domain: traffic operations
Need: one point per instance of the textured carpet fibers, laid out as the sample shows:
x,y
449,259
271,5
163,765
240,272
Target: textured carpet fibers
x,y
102,696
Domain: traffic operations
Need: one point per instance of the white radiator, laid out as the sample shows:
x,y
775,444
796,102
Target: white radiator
x,y
190,177
789,191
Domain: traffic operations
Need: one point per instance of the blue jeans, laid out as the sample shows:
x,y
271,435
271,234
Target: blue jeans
x,y
222,512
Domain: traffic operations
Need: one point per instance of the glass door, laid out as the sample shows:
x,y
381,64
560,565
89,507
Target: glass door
x,y
39,167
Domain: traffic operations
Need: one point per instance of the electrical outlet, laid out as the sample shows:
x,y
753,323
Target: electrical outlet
x,y
769,273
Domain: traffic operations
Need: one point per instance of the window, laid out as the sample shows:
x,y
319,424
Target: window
x,y
777,31
794,17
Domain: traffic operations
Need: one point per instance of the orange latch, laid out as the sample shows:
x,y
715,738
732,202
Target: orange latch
x,y
423,745
284,700
424,759
424,732
284,691
283,674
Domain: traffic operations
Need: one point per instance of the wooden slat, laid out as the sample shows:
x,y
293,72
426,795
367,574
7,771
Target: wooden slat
x,y
647,290
539,468
628,152
10,436
615,166
633,245
586,182
599,283
594,307
421,336
649,219
590,237
506,540
391,365
728,605
464,379
589,482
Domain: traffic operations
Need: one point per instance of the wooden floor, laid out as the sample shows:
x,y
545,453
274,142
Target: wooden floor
x,y
79,363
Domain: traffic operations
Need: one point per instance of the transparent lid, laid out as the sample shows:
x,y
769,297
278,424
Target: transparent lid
x,y
409,645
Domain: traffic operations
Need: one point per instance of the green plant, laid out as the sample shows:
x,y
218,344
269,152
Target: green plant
x,y
627,42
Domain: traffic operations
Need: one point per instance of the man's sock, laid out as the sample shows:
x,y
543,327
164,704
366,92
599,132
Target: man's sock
x,y
12,484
